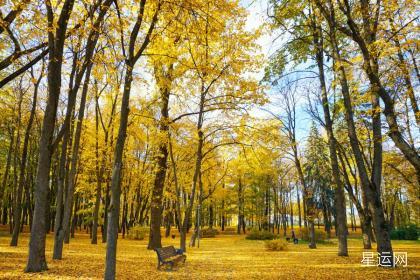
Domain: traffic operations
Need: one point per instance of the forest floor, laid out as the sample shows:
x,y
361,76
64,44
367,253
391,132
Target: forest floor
x,y
222,257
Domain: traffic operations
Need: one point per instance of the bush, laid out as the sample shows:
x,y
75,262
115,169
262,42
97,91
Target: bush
x,y
260,235
208,232
276,245
137,233
320,235
408,232
229,231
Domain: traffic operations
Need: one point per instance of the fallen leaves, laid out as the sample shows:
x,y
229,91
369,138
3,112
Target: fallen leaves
x,y
222,257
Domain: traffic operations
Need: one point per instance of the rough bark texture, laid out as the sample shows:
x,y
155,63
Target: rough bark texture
x,y
36,258
163,79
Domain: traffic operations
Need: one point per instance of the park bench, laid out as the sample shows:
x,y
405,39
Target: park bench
x,y
169,256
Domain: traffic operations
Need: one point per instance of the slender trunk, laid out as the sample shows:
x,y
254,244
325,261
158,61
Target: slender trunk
x,y
36,258
62,170
114,207
211,215
370,65
368,186
162,158
22,180
6,175
197,170
240,206
64,227
16,201
298,204
406,75
340,205
181,229
99,175
107,201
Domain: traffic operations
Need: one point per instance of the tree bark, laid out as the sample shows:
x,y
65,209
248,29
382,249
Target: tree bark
x,y
114,207
36,258
368,186
22,179
163,79
340,204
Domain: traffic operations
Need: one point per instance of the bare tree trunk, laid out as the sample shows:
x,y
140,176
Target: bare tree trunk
x,y
197,169
22,180
368,186
6,174
62,170
241,220
64,227
99,175
36,258
340,204
16,196
114,207
163,79
370,66
298,202
211,215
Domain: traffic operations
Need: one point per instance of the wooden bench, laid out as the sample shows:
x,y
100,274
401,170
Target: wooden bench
x,y
169,256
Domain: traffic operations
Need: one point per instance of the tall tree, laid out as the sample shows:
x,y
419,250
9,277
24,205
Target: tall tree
x,y
131,57
56,39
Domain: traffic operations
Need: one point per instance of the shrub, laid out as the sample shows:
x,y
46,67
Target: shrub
x,y
229,231
276,245
137,233
397,234
408,232
260,235
320,235
208,232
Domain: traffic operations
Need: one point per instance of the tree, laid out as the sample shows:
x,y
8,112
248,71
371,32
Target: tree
x,y
56,39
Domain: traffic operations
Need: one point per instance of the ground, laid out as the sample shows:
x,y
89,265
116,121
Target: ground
x,y
222,257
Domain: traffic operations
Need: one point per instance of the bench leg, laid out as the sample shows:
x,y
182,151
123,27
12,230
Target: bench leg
x,y
171,266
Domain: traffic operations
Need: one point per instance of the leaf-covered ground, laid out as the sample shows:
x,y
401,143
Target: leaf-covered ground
x,y
223,257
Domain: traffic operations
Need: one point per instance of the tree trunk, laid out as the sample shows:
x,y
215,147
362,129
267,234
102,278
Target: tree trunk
x,y
340,204
163,80
114,207
368,186
298,203
6,175
99,175
36,258
64,228
22,180
62,174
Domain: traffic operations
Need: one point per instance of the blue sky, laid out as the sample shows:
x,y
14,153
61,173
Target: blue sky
x,y
270,42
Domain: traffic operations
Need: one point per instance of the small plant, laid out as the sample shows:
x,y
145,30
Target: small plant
x,y
208,232
276,245
137,233
260,235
